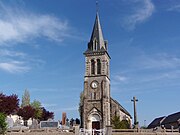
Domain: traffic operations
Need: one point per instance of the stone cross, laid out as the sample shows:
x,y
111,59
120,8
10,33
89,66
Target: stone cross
x,y
134,100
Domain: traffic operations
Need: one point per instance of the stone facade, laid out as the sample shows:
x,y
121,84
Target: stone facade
x,y
98,107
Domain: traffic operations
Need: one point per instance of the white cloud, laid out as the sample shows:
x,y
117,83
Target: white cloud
x,y
120,78
22,28
159,61
14,67
144,9
17,25
9,53
174,8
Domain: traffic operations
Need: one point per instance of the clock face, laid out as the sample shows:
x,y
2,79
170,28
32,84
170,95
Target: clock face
x,y
94,85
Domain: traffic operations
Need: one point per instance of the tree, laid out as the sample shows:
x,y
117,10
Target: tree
x,y
81,107
116,122
124,124
26,113
9,104
3,124
81,102
25,99
38,109
46,115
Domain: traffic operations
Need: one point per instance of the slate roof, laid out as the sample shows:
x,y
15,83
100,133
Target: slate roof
x,y
97,33
172,118
156,122
121,107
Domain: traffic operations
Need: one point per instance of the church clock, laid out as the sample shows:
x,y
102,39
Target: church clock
x,y
94,84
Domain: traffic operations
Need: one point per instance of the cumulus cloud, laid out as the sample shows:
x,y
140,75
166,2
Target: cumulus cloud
x,y
23,27
14,67
18,25
143,9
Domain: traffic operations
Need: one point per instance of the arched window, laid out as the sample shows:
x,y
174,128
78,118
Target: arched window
x,y
98,66
92,67
94,95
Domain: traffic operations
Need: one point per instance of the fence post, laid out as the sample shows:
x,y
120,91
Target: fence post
x,y
108,130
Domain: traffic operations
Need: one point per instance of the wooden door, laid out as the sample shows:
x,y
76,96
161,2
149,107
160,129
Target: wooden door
x,y
95,125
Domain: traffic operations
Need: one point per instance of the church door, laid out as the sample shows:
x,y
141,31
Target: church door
x,y
95,125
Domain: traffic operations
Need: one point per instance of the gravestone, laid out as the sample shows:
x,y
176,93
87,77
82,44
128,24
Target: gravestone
x,y
49,124
34,124
10,122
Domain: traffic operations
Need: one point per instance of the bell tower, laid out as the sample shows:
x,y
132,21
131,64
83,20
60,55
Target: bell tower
x,y
96,94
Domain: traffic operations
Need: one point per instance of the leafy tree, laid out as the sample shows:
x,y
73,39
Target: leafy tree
x,y
46,115
81,107
124,124
26,113
116,122
38,109
3,124
25,99
9,104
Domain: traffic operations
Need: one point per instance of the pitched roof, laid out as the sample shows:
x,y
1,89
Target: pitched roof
x,y
156,122
97,42
121,107
172,118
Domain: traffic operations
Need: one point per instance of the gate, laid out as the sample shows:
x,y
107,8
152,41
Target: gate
x,y
91,131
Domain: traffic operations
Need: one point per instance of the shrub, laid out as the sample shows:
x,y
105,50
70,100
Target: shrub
x,y
3,124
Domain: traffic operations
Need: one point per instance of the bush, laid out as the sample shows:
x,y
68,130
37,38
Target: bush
x,y
3,124
117,124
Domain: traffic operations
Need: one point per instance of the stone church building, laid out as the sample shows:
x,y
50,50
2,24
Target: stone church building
x,y
98,107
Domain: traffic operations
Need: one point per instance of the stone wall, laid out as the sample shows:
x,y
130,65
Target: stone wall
x,y
40,133
143,133
64,133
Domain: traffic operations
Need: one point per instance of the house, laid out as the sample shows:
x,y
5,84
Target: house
x,y
172,120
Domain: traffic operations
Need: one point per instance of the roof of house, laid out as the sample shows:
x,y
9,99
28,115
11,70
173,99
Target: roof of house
x,y
175,117
156,122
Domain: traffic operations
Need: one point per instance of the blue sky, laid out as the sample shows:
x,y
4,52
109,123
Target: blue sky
x,y
42,45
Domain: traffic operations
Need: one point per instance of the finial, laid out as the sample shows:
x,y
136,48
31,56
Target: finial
x,y
97,6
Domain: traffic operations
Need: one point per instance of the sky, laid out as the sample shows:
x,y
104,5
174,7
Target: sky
x,y
42,45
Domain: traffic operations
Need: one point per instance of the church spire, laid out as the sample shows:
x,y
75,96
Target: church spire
x,y
97,42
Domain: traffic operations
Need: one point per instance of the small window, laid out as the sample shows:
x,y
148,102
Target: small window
x,y
94,95
92,67
95,45
98,66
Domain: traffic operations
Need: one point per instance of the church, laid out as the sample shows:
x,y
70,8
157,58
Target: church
x,y
98,107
